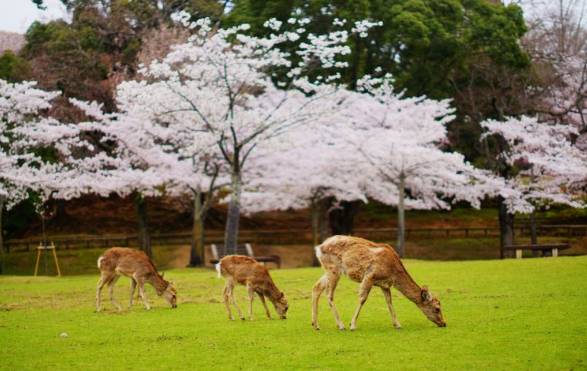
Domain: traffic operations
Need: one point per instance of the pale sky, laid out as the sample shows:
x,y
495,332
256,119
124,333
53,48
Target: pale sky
x,y
17,15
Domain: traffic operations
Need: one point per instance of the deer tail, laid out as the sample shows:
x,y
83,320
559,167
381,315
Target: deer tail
x,y
219,270
100,261
318,250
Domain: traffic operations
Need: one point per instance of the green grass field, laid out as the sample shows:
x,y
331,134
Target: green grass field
x,y
526,314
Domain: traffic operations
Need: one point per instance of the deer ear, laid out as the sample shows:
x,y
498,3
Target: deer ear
x,y
426,294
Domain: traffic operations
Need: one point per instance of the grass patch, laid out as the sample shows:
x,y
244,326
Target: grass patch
x,y
480,248
512,314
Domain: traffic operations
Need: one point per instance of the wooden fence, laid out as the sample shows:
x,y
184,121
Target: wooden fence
x,y
287,237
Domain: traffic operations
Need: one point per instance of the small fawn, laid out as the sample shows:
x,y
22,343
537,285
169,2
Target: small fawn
x,y
135,264
247,271
370,264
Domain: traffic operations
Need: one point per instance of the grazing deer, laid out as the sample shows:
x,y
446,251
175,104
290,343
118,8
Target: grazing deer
x,y
135,264
370,264
247,271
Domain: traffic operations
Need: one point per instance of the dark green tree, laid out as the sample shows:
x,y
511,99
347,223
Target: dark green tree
x,y
13,68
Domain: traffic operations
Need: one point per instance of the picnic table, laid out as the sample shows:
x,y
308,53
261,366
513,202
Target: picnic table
x,y
243,249
550,249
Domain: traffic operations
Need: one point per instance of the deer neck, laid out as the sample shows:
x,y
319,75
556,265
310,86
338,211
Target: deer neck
x,y
407,286
271,291
158,283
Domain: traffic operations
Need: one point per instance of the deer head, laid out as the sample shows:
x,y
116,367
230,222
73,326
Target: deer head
x,y
280,304
431,307
170,294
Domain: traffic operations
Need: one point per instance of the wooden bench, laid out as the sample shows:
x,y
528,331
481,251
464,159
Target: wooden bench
x,y
553,248
244,249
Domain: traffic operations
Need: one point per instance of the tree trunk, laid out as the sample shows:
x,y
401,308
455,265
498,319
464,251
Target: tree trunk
x,y
315,232
533,233
533,230
401,222
319,224
2,256
233,217
197,257
342,218
315,224
143,226
323,221
506,226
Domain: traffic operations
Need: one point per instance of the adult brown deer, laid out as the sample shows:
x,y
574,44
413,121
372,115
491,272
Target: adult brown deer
x,y
135,264
370,264
247,271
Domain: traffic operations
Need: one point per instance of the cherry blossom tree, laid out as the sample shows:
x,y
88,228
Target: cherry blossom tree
x,y
220,86
557,41
187,162
94,159
22,106
402,141
548,164
566,102
137,152
380,145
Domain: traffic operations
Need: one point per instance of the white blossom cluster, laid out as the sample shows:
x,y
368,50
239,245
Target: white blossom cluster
x,y
209,115
375,137
549,161
21,108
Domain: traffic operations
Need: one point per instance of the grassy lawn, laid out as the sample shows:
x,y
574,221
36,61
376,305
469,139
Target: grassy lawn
x,y
513,314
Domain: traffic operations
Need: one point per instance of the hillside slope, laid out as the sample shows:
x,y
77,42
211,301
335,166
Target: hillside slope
x,y
10,40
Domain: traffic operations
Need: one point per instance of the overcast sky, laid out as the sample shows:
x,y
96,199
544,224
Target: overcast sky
x,y
17,15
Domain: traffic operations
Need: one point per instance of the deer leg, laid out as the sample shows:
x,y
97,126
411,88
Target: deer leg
x,y
387,295
332,282
364,289
264,305
319,287
133,286
229,296
226,296
141,284
251,292
101,283
233,300
111,290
